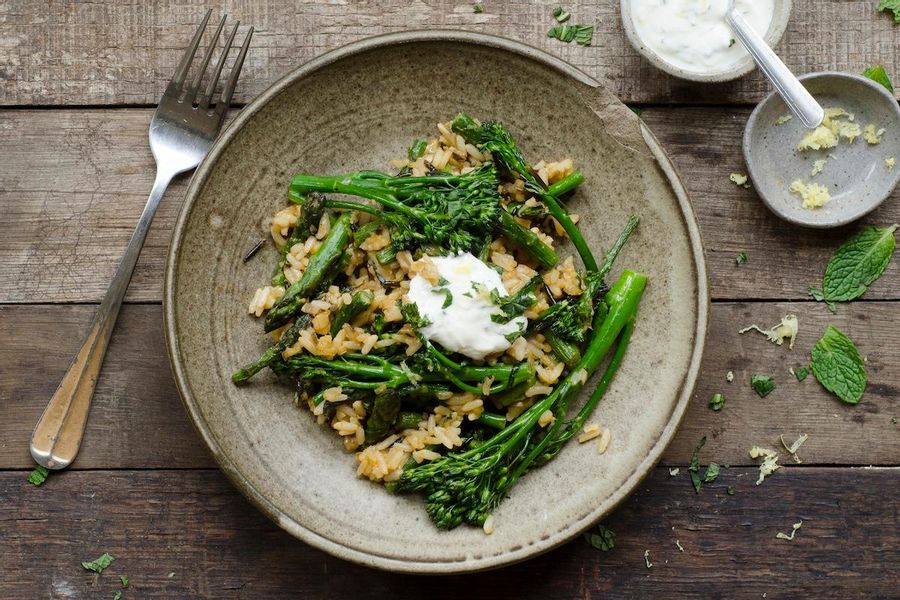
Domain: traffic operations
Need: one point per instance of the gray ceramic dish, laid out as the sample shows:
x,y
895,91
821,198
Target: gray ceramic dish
x,y
855,174
773,36
356,107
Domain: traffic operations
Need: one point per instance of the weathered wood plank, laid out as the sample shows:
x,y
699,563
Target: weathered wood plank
x,y
137,420
74,183
193,525
65,52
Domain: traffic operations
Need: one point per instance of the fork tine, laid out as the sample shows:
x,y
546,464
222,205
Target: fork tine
x,y
219,64
182,70
228,90
198,78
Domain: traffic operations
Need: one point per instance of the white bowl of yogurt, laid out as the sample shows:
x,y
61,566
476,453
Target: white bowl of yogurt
x,y
691,40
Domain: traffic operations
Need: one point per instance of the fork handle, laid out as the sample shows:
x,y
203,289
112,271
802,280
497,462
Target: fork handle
x,y
57,436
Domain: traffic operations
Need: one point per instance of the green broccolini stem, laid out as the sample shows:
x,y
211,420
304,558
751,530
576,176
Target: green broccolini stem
x,y
288,338
613,253
313,205
527,240
566,184
321,265
359,302
492,420
564,350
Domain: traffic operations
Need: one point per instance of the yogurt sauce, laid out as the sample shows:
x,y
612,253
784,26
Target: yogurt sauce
x,y
465,324
693,34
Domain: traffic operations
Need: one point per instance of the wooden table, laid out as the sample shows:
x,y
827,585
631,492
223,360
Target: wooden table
x,y
78,82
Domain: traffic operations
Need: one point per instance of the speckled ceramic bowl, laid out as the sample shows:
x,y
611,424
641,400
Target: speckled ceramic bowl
x,y
776,29
855,174
357,107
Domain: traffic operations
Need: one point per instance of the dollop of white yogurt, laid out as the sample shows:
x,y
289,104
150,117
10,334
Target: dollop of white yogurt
x,y
693,34
465,324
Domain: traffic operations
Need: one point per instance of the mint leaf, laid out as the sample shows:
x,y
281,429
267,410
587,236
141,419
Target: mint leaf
x,y
561,15
602,538
39,475
762,385
717,402
801,373
837,365
712,472
118,595
878,74
584,35
893,6
741,258
98,564
124,580
694,469
858,263
477,8
416,150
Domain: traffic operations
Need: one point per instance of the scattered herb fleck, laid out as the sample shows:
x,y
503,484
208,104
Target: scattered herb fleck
x,y
741,258
118,595
98,564
893,421
418,147
837,365
801,373
878,74
636,110
477,8
39,475
582,35
124,580
712,472
602,538
730,490
731,42
694,469
891,5
762,385
717,402
561,15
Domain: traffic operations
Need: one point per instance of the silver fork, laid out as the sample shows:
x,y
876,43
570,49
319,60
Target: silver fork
x,y
183,127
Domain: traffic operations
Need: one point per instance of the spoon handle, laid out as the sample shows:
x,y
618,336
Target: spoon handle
x,y
798,99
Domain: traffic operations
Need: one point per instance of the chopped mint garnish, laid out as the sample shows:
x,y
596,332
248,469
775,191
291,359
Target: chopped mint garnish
x,y
582,35
601,538
477,8
878,74
741,258
39,475
762,385
416,150
98,564
717,402
801,373
730,490
712,472
560,14
837,365
892,6
124,580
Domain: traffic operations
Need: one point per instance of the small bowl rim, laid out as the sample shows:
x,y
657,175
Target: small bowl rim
x,y
746,144
780,20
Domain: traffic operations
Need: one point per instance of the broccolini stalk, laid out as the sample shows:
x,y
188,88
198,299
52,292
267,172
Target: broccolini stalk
x,y
288,339
313,205
322,264
457,213
467,486
359,302
527,240
496,139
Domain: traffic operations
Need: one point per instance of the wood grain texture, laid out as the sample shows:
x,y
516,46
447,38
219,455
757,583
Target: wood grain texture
x,y
74,183
72,52
137,420
194,526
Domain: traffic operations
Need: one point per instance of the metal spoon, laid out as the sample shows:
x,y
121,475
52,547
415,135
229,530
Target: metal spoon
x,y
800,101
